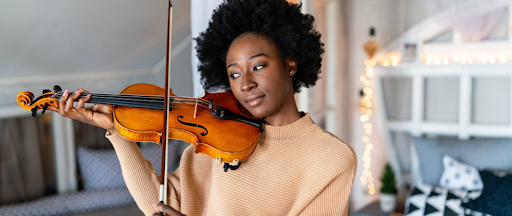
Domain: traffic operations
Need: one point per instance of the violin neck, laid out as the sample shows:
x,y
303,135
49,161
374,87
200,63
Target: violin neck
x,y
137,101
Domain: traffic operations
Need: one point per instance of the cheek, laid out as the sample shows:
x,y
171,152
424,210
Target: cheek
x,y
236,91
280,84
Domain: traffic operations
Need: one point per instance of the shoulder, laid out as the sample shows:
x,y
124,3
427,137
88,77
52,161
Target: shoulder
x,y
332,150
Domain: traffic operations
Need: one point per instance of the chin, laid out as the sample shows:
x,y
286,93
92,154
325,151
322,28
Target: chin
x,y
258,112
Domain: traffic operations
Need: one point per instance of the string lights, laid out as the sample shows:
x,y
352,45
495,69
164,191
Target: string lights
x,y
465,59
456,59
366,111
371,47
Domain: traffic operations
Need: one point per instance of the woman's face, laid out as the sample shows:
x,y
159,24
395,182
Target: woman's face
x,y
257,76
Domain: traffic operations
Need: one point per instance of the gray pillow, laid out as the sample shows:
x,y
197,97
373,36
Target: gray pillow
x,y
488,153
100,168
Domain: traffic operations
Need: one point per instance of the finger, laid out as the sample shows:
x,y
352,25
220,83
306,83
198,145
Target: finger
x,y
62,101
159,207
82,90
71,100
100,108
82,101
52,108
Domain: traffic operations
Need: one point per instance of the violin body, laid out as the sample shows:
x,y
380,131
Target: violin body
x,y
226,139
216,124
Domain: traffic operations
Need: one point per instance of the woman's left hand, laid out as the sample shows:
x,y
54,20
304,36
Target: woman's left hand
x,y
167,210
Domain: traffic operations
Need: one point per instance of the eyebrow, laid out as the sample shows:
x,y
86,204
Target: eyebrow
x,y
254,56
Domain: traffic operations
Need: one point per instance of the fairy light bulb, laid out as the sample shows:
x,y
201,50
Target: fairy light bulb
x,y
366,111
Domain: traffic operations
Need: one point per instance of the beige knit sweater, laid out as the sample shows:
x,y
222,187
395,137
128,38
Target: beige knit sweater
x,y
297,169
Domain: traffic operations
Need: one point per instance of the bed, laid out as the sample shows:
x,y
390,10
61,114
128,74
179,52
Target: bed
x,y
446,111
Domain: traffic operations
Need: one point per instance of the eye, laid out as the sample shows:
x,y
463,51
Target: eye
x,y
234,75
258,67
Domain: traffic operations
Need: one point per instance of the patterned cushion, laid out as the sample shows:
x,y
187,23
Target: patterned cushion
x,y
436,201
459,176
87,200
100,168
429,200
496,196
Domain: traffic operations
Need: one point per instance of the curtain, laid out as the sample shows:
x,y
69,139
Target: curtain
x,y
200,14
472,28
26,159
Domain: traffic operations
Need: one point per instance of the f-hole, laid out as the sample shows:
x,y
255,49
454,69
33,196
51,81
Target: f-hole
x,y
193,125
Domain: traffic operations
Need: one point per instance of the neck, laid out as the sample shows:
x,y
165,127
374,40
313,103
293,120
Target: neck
x,y
286,114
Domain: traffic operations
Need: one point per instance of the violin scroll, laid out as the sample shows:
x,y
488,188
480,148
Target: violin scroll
x,y
26,100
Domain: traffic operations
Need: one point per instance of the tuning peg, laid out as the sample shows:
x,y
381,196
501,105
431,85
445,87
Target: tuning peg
x,y
44,108
46,91
34,112
57,88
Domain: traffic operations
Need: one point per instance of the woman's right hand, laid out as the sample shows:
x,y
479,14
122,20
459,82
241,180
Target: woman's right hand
x,y
98,115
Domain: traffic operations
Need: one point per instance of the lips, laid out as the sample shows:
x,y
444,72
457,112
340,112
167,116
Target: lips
x,y
254,100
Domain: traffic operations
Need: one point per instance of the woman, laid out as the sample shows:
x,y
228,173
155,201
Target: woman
x,y
263,51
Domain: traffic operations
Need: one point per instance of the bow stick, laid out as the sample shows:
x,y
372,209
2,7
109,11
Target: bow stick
x,y
165,135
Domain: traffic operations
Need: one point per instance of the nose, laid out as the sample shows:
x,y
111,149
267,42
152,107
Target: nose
x,y
248,82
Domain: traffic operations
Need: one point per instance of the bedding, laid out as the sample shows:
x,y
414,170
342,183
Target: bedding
x,y
71,203
431,152
456,178
496,198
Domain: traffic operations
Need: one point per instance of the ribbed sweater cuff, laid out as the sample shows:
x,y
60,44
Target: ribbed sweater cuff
x,y
117,140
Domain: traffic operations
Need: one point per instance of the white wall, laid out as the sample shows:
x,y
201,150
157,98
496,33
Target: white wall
x,y
386,17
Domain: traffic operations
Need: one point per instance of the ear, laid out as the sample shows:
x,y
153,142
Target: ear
x,y
291,66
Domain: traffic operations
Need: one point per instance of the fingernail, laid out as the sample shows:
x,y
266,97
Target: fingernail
x,y
88,95
77,92
65,93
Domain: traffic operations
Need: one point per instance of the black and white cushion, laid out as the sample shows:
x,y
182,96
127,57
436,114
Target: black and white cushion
x,y
437,201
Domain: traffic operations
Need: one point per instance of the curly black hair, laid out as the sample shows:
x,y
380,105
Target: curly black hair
x,y
292,32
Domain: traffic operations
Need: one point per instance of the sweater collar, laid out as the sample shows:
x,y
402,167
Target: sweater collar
x,y
303,126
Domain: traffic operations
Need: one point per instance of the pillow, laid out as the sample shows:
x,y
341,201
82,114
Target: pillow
x,y
100,168
432,201
496,198
459,176
431,151
426,199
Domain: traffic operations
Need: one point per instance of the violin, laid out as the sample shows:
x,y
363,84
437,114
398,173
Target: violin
x,y
211,123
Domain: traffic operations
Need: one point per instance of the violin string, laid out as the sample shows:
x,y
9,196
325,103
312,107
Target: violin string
x,y
145,98
139,98
132,96
151,97
150,105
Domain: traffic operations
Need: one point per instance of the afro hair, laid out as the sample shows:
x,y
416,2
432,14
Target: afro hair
x,y
281,22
